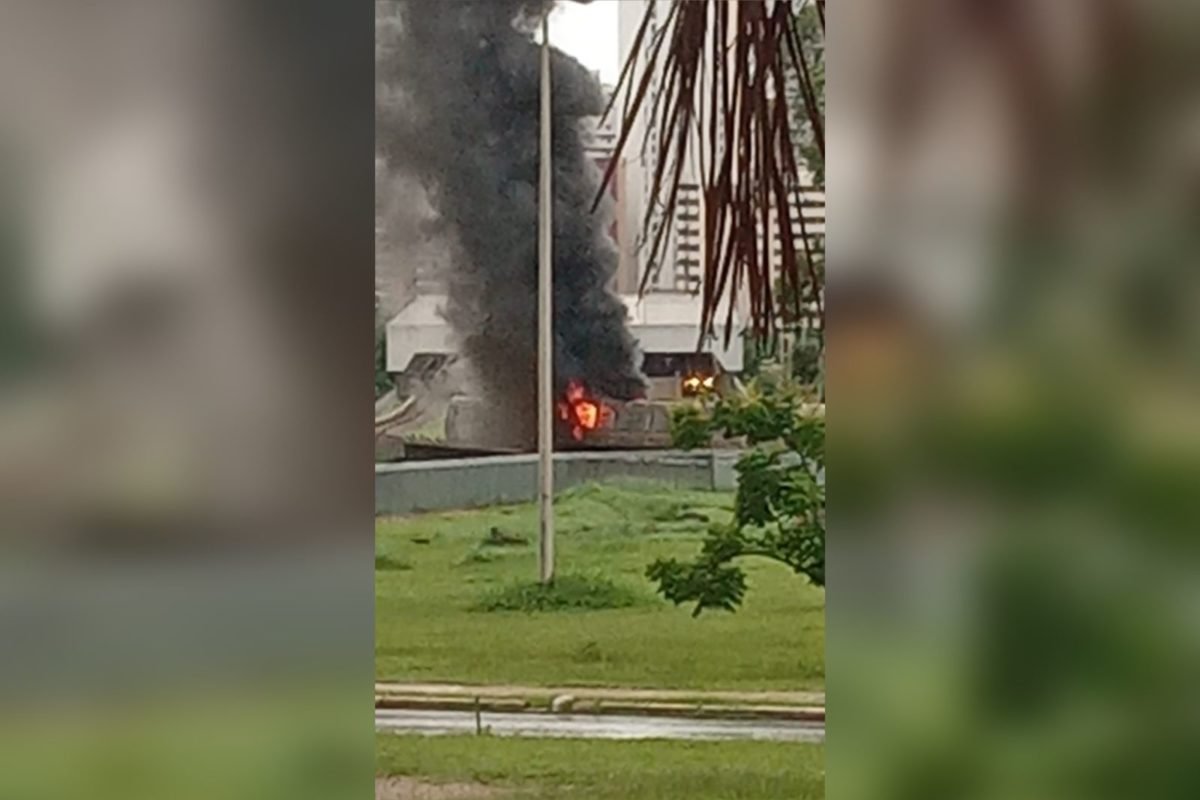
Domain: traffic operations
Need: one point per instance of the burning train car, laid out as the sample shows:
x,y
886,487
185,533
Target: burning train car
x,y
586,419
665,329
582,422
674,376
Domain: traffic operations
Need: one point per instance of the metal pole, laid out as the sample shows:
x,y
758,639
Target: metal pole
x,y
545,330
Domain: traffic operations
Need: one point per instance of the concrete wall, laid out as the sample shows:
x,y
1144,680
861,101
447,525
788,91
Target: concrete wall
x,y
416,486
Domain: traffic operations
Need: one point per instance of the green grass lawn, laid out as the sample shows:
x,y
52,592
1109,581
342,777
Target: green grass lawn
x,y
432,570
564,769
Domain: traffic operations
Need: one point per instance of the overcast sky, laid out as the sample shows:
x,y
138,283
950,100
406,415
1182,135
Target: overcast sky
x,y
589,32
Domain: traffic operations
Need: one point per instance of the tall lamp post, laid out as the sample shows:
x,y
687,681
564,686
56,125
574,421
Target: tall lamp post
x,y
545,327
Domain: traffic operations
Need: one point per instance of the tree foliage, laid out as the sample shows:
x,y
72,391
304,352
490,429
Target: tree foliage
x,y
779,512
810,32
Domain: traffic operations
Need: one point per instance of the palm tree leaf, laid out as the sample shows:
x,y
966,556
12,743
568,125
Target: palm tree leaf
x,y
720,71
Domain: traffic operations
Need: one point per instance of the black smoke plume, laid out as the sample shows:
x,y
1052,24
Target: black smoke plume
x,y
459,108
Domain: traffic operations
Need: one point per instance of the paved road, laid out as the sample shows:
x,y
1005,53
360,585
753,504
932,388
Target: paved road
x,y
595,726
586,693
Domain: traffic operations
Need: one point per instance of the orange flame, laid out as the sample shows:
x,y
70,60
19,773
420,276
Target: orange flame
x,y
587,413
579,411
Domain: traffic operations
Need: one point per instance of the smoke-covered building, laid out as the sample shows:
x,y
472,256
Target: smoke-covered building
x,y
600,135
457,130
662,323
457,115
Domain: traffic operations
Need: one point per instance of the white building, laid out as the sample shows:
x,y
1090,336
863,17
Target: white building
x,y
418,328
680,267
661,323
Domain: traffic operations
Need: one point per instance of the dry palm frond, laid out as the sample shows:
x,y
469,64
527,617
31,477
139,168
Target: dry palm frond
x,y
721,71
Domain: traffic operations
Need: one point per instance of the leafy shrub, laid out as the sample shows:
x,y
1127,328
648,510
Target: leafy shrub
x,y
386,563
690,427
478,555
565,593
499,538
589,653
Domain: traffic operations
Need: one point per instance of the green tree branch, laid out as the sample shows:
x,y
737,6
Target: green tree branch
x,y
779,511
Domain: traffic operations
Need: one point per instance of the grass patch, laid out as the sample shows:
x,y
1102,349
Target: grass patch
x,y
500,538
572,769
425,629
478,556
386,563
565,593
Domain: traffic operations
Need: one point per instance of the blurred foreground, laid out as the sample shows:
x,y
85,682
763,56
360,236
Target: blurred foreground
x,y
185,525
1014,445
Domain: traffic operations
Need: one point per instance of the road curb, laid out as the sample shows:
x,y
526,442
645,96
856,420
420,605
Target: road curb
x,y
586,705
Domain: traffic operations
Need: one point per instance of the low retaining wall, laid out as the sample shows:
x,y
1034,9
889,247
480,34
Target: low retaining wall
x,y
415,486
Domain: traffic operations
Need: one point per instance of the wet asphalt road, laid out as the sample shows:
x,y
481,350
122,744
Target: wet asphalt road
x,y
594,726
